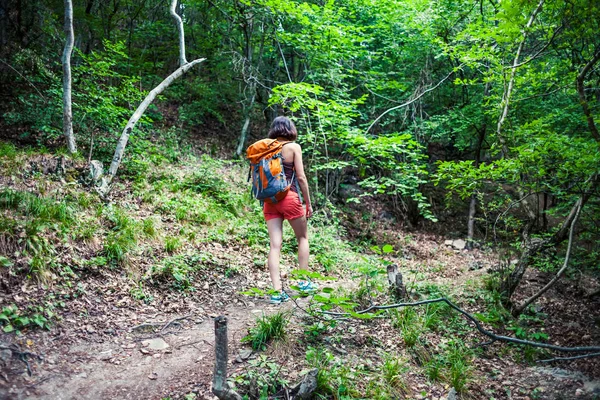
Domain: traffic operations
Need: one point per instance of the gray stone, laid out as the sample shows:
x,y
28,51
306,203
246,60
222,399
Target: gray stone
x,y
452,394
476,265
155,344
5,355
243,355
459,244
448,242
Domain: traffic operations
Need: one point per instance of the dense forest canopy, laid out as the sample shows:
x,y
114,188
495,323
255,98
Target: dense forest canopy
x,y
480,114
480,97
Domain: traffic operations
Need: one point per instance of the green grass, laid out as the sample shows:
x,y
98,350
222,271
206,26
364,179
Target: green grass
x,y
172,244
268,328
43,208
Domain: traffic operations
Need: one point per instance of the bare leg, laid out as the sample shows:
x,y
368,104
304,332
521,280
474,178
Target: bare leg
x,y
301,230
275,227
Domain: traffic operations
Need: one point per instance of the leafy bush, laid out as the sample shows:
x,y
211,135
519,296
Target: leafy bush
x,y
14,321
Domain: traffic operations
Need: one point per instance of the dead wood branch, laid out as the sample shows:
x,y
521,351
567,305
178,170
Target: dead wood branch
x,y
22,355
519,309
220,388
478,326
413,100
569,358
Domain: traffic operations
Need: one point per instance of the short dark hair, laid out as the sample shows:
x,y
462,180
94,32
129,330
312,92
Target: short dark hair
x,y
283,127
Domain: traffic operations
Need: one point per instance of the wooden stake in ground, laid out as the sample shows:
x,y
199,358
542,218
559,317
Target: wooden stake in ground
x,y
219,386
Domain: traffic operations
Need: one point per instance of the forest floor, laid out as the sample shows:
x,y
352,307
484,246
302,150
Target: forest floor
x,y
110,340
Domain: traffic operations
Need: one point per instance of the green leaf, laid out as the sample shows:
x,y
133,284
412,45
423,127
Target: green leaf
x,y
388,249
8,328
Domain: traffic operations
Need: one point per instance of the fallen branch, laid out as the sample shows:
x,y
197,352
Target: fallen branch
x,y
478,326
519,309
569,358
22,355
173,321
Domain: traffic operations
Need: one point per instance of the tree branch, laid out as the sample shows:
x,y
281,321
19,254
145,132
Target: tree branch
x,y
518,310
413,100
582,99
478,326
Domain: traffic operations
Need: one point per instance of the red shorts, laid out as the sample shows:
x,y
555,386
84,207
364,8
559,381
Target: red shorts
x,y
288,208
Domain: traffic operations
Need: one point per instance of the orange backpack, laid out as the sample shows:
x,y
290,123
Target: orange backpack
x,y
269,183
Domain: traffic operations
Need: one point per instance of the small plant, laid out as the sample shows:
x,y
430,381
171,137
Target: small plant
x,y
172,243
268,327
149,227
392,370
138,293
14,321
179,269
409,323
263,378
434,369
314,331
459,368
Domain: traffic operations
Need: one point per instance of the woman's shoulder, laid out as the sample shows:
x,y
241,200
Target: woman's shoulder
x,y
293,146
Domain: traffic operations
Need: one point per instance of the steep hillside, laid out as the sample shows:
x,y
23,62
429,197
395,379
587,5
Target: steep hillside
x,y
86,283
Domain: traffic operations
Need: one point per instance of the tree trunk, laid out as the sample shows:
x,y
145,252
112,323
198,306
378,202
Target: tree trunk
x,y
66,62
246,126
473,202
118,156
219,384
179,22
105,184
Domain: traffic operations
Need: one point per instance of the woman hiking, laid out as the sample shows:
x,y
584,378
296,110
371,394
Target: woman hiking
x,y
289,208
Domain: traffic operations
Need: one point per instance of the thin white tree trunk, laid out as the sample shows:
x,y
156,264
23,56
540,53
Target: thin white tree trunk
x,y
66,62
178,20
511,81
104,186
246,126
506,102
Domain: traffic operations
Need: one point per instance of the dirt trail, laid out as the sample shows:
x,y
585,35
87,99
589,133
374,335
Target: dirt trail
x,y
124,368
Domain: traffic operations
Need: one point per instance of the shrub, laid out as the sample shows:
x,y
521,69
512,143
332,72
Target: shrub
x,y
268,327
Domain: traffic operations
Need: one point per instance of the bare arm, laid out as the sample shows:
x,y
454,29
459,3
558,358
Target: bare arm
x,y
301,176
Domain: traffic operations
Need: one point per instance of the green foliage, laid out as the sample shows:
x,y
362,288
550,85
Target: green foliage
x,y
14,320
263,378
179,269
123,235
409,323
314,331
42,208
334,378
208,181
172,243
268,328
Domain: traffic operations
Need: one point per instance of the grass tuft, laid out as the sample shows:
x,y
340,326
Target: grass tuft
x,y
268,327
